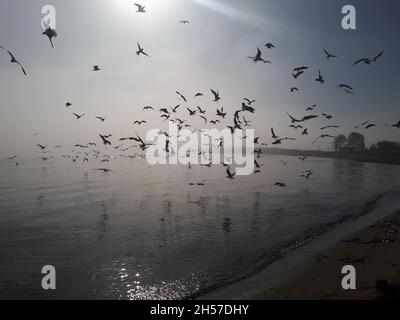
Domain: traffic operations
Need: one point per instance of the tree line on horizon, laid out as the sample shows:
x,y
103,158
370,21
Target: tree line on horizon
x,y
355,141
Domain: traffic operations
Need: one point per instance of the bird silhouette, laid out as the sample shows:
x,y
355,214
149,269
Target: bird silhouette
x,y
280,184
229,174
139,122
191,112
327,116
96,68
216,95
14,60
329,55
50,33
141,51
269,45
105,170
42,147
258,57
140,8
101,119
105,140
221,113
181,96
364,60
78,116
320,79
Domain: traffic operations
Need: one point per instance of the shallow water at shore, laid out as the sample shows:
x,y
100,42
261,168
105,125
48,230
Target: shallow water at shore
x,y
142,232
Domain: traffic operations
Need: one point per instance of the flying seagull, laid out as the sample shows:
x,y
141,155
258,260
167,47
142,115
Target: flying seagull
x,y
105,140
105,170
181,96
96,68
13,60
280,184
216,95
329,55
269,45
141,51
78,116
320,79
139,122
184,21
41,146
364,60
258,58
140,8
50,33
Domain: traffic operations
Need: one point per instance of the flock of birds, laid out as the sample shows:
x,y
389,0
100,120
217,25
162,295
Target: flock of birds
x,y
182,113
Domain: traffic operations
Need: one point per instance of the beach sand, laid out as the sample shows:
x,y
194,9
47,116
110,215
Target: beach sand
x,y
370,243
373,251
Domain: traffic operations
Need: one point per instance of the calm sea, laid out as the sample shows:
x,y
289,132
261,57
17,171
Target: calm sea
x,y
142,232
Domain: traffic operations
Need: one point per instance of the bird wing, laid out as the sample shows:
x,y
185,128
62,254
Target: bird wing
x,y
378,56
359,60
22,68
258,55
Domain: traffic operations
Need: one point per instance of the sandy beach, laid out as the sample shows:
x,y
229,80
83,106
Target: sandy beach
x,y
314,271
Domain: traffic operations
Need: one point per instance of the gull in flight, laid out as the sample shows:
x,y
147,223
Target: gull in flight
x,y
258,57
216,95
50,33
329,55
13,60
141,51
140,8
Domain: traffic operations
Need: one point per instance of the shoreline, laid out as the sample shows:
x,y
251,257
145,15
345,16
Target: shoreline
x,y
313,271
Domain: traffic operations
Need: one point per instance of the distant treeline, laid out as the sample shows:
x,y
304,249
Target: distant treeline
x,y
356,142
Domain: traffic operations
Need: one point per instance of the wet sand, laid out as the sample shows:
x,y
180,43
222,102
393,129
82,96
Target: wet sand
x,y
371,244
373,251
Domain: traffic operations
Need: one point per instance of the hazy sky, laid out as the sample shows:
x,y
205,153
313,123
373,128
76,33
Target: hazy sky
x,y
208,53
